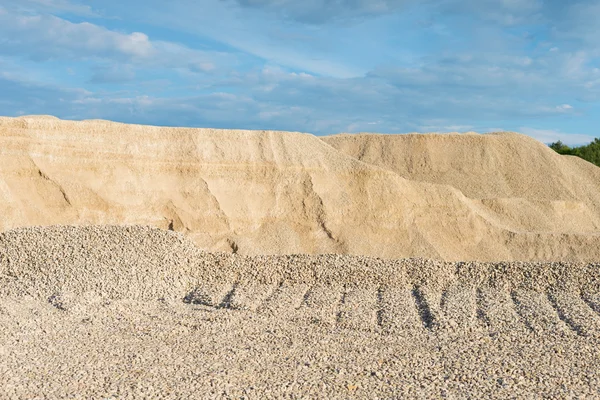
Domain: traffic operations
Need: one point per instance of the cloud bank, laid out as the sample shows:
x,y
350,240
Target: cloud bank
x,y
318,66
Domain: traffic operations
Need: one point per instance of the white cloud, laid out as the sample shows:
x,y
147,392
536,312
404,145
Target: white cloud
x,y
50,36
565,107
54,6
136,44
296,102
578,20
256,35
464,71
322,11
548,136
505,12
113,74
42,37
502,12
426,91
561,76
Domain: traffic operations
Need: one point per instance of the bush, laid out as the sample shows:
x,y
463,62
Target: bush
x,y
589,152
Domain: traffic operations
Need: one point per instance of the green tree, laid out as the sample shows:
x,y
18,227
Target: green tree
x,y
589,152
560,148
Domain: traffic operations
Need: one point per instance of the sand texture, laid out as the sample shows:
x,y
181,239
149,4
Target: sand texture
x,y
493,197
128,312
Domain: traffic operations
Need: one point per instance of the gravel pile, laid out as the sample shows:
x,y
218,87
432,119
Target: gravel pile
x,y
138,262
134,312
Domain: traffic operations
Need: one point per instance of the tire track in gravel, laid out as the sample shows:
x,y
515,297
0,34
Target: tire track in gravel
x,y
417,310
575,312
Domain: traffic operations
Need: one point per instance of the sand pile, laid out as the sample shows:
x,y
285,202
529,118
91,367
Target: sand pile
x,y
111,312
447,197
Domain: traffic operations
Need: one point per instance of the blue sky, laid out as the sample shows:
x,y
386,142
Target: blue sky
x,y
318,66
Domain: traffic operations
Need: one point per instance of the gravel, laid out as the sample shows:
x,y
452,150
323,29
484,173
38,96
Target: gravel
x,y
136,312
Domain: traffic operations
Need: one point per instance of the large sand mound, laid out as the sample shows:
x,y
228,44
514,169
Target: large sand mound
x,y
520,182
449,197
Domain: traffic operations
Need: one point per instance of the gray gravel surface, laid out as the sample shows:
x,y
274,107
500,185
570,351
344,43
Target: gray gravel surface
x,y
135,312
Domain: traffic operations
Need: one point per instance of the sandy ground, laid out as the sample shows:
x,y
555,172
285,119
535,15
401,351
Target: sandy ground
x,y
131,349
113,312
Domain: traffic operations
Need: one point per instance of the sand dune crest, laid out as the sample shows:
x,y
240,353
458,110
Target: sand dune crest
x,y
450,197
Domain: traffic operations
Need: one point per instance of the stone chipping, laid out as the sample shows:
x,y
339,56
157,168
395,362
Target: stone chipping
x,y
138,312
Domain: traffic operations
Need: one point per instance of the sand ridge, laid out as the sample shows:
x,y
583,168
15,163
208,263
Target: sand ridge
x,y
448,197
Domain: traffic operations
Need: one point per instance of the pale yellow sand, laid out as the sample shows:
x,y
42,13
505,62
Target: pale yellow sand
x,y
452,197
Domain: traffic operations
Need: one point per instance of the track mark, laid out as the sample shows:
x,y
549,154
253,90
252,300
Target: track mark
x,y
58,301
359,309
518,307
285,300
398,313
592,300
226,302
250,296
458,309
498,311
482,319
379,306
320,304
409,311
424,308
539,313
213,295
574,312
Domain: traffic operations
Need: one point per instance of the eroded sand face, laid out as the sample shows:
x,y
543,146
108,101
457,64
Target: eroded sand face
x,y
449,197
113,311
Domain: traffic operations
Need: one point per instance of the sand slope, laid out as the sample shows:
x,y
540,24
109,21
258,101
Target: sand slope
x,y
455,197
518,181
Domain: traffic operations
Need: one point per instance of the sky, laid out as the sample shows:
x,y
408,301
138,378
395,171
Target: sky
x,y
317,66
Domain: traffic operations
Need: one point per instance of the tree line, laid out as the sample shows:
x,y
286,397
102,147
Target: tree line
x,y
589,152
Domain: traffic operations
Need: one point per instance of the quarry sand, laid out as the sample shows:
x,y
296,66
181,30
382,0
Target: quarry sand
x,y
146,262
455,197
